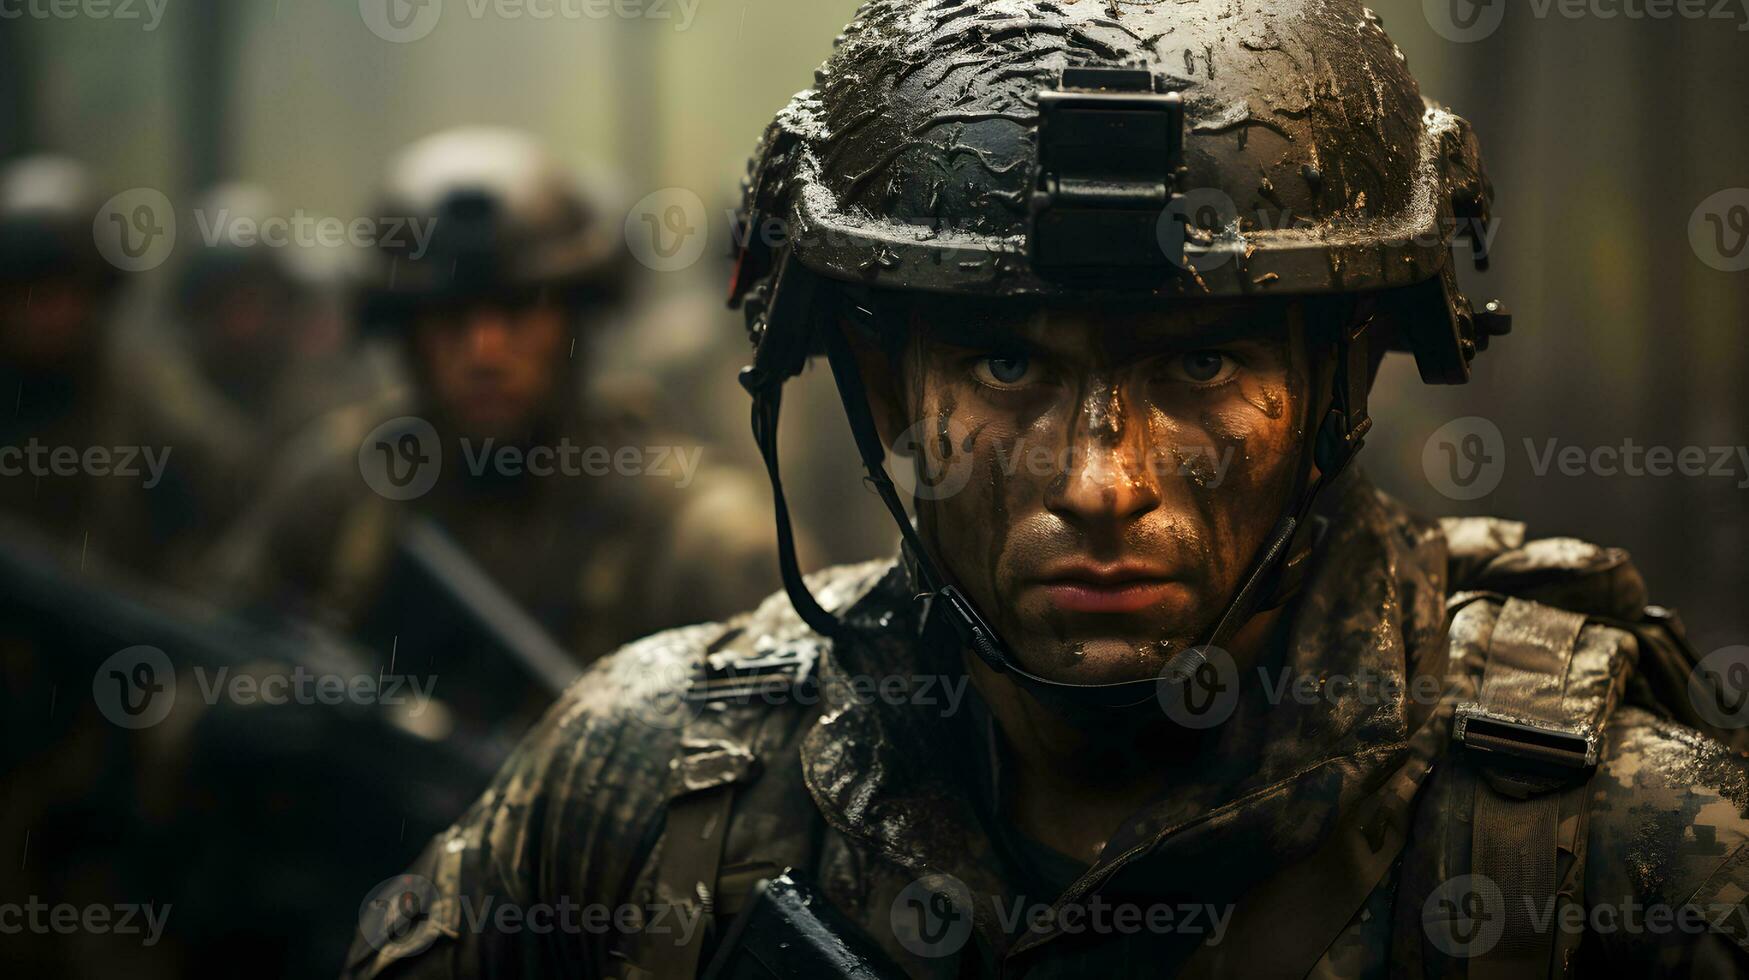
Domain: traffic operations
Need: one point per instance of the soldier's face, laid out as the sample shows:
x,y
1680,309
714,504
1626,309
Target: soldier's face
x,y
1098,482
47,324
494,369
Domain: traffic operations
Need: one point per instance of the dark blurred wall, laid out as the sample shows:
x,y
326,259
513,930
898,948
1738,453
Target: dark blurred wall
x,y
1603,137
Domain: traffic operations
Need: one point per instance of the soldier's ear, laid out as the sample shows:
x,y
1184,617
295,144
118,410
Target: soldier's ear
x,y
880,377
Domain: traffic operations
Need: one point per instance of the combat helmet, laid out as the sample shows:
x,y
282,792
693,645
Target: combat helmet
x,y
48,206
226,264
1137,151
500,216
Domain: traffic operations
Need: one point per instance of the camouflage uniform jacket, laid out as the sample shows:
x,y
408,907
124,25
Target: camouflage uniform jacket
x,y
876,797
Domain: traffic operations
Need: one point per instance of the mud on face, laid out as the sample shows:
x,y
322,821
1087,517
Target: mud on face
x,y
1103,478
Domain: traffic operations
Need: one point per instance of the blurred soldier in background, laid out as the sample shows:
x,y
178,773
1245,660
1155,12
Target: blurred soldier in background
x,y
493,525
255,344
88,456
199,781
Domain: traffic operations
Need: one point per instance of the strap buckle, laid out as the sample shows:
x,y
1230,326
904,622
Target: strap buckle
x,y
1110,158
1524,740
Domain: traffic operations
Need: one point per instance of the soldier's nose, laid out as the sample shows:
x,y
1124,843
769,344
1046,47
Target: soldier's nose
x,y
487,331
1106,481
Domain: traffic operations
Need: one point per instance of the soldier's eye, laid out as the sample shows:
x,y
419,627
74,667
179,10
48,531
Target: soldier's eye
x,y
1005,370
1202,367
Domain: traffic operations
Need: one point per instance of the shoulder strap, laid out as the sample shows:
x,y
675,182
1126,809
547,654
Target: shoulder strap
x,y
1531,742
728,699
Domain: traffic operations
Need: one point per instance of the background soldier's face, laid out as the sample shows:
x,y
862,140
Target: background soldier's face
x,y
47,324
1098,482
494,370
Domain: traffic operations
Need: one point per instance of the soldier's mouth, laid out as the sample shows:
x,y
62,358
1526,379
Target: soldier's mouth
x,y
1087,588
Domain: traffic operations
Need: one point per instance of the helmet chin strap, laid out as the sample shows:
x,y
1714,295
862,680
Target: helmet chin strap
x,y
951,615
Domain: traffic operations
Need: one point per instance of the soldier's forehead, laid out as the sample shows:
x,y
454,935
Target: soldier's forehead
x,y
973,323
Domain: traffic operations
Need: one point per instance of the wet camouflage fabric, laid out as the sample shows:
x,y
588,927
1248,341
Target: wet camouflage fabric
x,y
869,796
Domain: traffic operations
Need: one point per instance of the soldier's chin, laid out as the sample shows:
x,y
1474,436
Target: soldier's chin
x,y
1099,659
504,421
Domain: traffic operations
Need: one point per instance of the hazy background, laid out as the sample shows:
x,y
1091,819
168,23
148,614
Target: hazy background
x,y
1602,135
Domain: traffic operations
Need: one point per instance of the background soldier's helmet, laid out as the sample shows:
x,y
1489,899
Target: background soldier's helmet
x,y
504,219
48,205
1047,149
226,264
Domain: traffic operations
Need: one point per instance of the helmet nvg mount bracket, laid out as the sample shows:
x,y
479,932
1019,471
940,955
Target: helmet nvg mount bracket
x,y
1153,152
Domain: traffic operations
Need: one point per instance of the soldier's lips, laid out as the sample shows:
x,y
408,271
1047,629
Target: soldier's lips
x,y
1110,589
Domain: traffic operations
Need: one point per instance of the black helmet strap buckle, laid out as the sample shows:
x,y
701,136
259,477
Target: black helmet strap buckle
x,y
1110,155
1346,425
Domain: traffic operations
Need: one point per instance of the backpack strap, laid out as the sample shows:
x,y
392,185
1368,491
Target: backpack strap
x,y
1532,737
727,700
686,875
